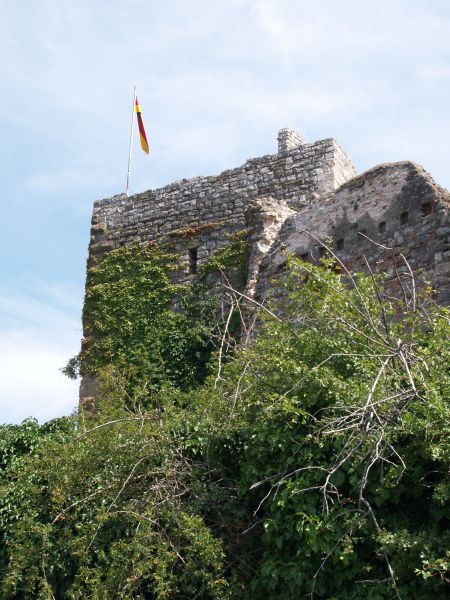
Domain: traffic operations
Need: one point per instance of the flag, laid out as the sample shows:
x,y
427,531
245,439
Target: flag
x,y
144,143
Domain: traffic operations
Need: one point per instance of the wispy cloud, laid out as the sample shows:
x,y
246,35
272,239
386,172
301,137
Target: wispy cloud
x,y
45,307
246,66
31,383
38,334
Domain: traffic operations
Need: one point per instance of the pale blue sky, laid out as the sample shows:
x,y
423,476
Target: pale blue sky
x,y
215,81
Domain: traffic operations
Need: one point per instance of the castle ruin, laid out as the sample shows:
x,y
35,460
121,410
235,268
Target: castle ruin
x,y
296,199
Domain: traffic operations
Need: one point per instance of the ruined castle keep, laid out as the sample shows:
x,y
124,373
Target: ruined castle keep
x,y
305,194
299,174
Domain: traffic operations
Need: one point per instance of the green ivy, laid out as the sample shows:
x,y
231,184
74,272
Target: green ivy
x,y
232,258
140,321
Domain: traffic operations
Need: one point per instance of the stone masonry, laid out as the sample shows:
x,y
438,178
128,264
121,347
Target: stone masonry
x,y
372,219
212,207
306,195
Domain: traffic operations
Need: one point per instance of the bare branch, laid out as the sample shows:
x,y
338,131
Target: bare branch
x,y
253,302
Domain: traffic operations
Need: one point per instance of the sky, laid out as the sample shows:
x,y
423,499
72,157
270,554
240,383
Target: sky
x,y
215,82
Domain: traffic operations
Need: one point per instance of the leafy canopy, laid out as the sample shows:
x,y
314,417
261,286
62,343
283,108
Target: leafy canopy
x,y
313,464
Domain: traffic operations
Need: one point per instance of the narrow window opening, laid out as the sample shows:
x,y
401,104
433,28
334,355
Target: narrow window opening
x,y
404,218
428,208
193,261
340,244
382,226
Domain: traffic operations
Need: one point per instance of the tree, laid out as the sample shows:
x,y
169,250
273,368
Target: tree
x,y
341,409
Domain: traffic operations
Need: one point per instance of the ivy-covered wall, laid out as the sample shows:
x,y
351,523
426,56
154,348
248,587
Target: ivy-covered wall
x,y
299,199
140,322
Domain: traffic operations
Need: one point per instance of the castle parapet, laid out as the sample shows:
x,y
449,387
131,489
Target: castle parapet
x,y
216,205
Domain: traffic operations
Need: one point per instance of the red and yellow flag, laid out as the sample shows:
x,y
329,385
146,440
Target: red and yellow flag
x,y
144,143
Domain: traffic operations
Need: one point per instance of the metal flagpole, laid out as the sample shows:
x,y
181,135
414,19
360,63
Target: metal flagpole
x,y
131,141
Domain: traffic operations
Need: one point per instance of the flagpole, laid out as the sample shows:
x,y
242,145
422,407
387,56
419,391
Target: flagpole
x,y
131,142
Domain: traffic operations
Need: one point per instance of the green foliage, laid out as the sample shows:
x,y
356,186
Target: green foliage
x,y
20,444
341,407
140,322
315,466
232,260
106,512
134,324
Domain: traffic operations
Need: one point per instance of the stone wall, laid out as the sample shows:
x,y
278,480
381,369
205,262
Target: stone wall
x,y
209,208
390,210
